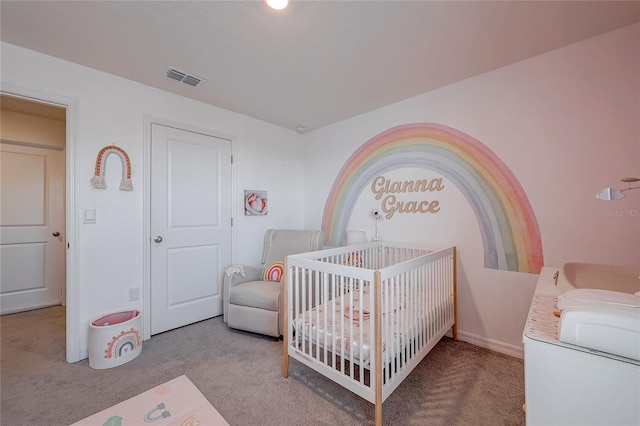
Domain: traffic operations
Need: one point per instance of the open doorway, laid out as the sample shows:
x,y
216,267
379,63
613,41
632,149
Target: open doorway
x,y
33,239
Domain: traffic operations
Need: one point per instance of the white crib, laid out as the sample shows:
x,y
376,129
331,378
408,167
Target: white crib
x,y
366,315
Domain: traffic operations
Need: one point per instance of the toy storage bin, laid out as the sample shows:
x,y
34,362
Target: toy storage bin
x,y
115,339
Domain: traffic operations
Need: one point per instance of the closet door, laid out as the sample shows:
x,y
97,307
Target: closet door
x,y
190,225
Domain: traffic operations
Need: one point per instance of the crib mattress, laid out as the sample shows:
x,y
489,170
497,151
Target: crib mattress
x,y
346,330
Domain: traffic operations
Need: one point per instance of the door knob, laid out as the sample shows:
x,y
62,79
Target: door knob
x,y
56,234
157,239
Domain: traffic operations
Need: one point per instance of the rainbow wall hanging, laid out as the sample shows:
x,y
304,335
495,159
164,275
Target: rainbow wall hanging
x,y
99,182
508,225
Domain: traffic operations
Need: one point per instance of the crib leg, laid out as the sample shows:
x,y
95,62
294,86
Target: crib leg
x,y
285,321
455,295
285,360
285,368
285,355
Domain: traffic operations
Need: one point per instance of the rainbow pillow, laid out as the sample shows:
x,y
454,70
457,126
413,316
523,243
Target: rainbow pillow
x,y
354,259
274,272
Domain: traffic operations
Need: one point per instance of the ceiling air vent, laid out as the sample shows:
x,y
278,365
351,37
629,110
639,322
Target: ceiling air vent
x,y
191,80
174,74
183,77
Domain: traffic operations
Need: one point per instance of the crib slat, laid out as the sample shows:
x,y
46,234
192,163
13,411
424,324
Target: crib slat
x,y
303,297
325,298
351,330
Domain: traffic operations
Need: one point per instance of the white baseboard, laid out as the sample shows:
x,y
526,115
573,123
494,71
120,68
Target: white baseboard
x,y
493,345
474,339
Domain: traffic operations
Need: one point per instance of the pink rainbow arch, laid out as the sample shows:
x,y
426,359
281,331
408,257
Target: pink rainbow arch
x,y
510,233
98,180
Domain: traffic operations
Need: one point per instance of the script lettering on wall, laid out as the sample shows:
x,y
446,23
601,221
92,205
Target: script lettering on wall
x,y
386,191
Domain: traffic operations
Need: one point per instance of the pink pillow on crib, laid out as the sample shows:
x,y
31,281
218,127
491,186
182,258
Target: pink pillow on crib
x,y
274,272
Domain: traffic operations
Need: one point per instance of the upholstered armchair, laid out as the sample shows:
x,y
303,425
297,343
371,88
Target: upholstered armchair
x,y
252,296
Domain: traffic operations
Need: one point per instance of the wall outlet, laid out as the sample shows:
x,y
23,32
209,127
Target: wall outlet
x,y
134,294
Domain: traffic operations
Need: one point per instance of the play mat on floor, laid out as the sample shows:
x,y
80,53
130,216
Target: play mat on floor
x,y
176,402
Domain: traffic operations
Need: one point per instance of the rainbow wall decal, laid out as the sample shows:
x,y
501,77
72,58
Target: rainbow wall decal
x,y
510,233
98,181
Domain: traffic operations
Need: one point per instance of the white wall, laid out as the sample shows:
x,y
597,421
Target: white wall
x,y
112,110
565,123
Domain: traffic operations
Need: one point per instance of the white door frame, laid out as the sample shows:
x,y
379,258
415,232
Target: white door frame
x,y
72,288
146,228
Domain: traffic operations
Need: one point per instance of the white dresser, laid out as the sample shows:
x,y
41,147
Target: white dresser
x,y
571,385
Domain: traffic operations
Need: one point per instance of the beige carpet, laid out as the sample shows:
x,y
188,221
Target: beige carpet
x,y
240,374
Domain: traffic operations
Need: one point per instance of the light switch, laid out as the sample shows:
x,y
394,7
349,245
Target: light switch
x,y
89,216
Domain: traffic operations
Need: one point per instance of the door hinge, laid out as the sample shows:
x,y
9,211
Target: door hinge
x,y
231,221
232,159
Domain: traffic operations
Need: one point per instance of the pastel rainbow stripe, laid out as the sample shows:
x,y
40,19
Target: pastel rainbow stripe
x,y
510,234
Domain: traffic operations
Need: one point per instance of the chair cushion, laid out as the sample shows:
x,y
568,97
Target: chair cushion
x,y
256,294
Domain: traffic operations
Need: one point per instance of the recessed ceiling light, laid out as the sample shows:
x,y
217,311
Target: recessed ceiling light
x,y
300,128
277,4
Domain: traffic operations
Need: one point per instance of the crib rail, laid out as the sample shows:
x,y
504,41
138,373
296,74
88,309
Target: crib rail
x,y
366,315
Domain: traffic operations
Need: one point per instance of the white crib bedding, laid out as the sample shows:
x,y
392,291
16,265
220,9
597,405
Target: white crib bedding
x,y
341,335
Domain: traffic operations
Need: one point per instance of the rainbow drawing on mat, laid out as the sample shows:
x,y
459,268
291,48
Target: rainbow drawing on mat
x,y
509,228
99,182
191,421
156,414
122,343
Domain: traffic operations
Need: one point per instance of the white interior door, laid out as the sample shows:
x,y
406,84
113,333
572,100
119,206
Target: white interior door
x,y
32,234
190,225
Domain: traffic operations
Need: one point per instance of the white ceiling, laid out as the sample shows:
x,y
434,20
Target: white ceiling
x,y
316,62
